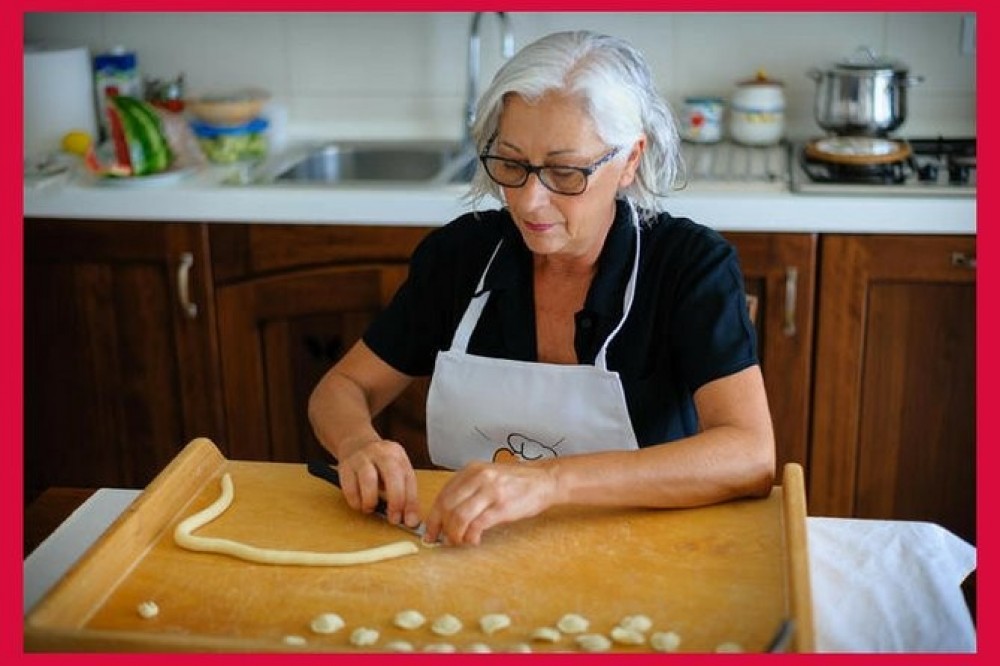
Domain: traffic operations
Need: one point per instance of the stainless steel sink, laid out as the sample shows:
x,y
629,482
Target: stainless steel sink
x,y
369,163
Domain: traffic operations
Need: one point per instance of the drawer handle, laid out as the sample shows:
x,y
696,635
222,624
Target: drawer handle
x,y
183,281
791,297
962,260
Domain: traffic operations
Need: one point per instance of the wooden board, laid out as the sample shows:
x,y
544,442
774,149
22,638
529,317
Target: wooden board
x,y
726,573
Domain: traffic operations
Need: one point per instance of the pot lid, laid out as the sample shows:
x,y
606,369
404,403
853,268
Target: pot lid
x,y
864,58
760,79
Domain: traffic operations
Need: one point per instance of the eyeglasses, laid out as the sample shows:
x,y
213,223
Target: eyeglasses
x,y
566,180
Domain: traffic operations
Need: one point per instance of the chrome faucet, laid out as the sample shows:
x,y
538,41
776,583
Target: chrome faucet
x,y
472,91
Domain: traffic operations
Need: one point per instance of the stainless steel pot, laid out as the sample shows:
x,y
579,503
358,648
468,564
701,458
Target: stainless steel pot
x,y
862,95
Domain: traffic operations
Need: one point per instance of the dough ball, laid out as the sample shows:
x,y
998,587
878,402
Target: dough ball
x,y
627,636
571,623
494,622
148,610
729,646
665,641
326,623
593,642
547,634
441,648
409,619
363,636
640,623
446,625
481,648
399,646
292,639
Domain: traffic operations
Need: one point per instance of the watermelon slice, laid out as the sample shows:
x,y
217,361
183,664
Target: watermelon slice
x,y
140,145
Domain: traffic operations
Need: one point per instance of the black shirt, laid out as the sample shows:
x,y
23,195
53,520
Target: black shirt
x,y
687,326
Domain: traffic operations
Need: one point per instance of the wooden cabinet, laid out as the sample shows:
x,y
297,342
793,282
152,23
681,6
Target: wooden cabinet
x,y
120,354
780,271
894,416
291,301
867,347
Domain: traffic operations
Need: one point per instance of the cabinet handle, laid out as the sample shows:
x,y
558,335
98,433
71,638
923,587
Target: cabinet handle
x,y
183,274
791,296
962,260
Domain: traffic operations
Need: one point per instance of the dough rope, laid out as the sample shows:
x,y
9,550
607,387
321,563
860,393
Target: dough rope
x,y
185,539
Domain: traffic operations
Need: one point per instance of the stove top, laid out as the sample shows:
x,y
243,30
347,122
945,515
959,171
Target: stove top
x,y
938,166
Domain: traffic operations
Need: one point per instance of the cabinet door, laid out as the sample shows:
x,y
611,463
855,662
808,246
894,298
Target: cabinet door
x,y
894,415
280,334
779,270
120,355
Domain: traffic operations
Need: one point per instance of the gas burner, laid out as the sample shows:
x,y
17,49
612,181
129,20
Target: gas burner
x,y
877,165
856,159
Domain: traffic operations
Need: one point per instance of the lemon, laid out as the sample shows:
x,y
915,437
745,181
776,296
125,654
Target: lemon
x,y
76,142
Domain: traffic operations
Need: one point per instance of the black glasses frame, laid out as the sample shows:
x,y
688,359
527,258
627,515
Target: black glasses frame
x,y
540,171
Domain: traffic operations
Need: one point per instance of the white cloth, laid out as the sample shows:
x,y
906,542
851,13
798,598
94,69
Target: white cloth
x,y
889,586
481,408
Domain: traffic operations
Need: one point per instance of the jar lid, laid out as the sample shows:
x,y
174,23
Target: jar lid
x,y
761,79
206,130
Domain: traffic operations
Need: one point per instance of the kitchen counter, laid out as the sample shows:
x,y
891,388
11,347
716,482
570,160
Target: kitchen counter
x,y
877,586
203,196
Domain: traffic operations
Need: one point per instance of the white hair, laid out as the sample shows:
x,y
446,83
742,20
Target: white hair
x,y
614,85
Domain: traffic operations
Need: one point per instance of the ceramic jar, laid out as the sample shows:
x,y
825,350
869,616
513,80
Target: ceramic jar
x,y
701,119
757,111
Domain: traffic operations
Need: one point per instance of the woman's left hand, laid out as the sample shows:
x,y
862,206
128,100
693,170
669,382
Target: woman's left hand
x,y
482,495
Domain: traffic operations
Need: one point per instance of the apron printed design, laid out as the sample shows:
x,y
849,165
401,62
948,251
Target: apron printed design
x,y
482,408
521,447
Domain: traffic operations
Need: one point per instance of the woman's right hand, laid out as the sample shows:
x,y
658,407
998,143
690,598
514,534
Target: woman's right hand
x,y
377,468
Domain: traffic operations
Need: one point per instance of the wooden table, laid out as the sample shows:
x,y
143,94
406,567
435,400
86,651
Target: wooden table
x,y
718,573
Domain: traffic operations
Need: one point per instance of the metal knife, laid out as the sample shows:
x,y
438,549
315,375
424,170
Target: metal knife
x,y
321,469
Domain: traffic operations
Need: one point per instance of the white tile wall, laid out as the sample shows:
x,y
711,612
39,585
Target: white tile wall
x,y
388,74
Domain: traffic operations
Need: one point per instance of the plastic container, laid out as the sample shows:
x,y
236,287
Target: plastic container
x,y
115,73
225,145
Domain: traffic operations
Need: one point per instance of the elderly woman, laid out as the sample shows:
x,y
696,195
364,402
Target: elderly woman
x,y
580,332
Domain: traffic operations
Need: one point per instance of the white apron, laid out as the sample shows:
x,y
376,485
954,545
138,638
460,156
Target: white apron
x,y
481,408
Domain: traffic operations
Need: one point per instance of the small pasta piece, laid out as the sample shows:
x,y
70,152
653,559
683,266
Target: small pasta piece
x,y
480,648
148,610
627,636
441,648
409,619
729,646
519,648
446,625
546,634
364,636
292,639
399,646
665,641
572,623
494,622
326,623
593,642
640,623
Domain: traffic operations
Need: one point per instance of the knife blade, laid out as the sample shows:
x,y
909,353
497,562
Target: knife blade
x,y
323,470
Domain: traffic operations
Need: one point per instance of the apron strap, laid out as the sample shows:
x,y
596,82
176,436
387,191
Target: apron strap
x,y
601,361
460,342
471,317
